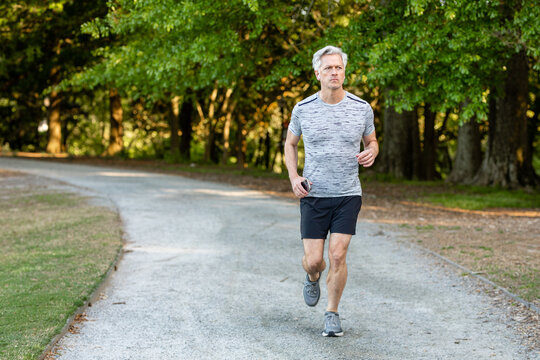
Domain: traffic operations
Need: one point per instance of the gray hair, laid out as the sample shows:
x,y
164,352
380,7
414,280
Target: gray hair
x,y
328,50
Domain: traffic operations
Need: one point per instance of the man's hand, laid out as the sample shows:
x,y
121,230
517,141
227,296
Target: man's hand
x,y
297,187
366,158
371,149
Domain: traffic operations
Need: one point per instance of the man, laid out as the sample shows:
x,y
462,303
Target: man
x,y
333,123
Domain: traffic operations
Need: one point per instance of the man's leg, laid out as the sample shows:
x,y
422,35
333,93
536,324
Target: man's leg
x,y
337,274
313,261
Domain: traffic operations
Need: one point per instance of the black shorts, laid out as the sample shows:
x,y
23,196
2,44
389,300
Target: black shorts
x,y
335,214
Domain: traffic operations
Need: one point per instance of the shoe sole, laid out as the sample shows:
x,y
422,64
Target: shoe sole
x,y
332,334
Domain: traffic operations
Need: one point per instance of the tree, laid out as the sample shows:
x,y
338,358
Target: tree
x,y
216,74
468,155
508,160
41,43
225,50
449,55
116,141
400,154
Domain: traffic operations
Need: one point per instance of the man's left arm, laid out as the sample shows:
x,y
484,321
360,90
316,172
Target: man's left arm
x,y
371,149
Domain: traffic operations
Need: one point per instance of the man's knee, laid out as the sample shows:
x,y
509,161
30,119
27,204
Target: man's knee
x,y
313,263
337,255
337,251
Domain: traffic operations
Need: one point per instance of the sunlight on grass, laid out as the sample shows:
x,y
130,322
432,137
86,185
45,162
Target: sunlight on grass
x,y
56,249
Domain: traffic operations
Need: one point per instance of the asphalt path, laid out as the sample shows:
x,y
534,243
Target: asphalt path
x,y
213,271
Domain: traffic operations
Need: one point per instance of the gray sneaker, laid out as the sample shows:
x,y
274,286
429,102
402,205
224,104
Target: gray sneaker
x,y
312,291
332,325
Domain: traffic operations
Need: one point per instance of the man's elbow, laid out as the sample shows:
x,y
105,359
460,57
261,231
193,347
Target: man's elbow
x,y
290,146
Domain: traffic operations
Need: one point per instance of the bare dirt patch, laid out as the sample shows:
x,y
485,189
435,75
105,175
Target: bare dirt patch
x,y
7,173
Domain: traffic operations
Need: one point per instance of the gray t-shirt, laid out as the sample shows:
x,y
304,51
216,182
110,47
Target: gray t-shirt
x,y
332,135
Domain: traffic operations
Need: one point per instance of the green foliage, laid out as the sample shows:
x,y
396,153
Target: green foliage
x,y
527,20
169,46
448,54
40,44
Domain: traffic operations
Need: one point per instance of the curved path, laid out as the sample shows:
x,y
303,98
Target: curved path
x,y
213,272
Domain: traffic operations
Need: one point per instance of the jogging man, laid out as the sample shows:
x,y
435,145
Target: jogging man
x,y
333,123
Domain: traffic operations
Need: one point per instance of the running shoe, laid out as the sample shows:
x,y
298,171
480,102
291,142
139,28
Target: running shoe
x,y
332,325
312,291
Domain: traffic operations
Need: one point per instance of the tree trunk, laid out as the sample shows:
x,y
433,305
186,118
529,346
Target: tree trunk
x,y
414,146
186,115
226,134
429,151
506,162
259,158
533,124
267,146
226,139
116,140
210,136
400,152
282,136
469,154
241,142
528,138
54,145
174,115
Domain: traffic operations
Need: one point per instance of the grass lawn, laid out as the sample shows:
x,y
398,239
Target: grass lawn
x,y
481,198
56,249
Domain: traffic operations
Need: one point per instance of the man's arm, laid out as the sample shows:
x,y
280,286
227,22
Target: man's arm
x,y
291,161
371,149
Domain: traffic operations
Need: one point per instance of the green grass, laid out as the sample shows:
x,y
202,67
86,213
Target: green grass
x,y
56,249
466,197
481,198
442,227
425,227
525,282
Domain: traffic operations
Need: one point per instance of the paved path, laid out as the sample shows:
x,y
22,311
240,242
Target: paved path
x,y
213,272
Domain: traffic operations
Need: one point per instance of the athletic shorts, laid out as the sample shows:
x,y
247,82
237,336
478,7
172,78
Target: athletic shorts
x,y
335,214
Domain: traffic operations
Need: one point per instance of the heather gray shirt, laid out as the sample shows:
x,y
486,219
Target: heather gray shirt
x,y
332,134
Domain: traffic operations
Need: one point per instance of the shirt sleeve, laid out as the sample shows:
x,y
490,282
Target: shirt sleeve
x,y
370,126
294,125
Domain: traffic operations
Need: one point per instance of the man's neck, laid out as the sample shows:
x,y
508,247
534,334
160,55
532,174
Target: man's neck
x,y
331,96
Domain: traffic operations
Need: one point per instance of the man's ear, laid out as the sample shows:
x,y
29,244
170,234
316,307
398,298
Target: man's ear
x,y
317,75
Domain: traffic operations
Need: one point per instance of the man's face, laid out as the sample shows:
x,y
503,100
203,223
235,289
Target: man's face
x,y
331,74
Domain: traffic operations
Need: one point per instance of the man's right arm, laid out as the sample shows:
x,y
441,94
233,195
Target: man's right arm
x,y
291,161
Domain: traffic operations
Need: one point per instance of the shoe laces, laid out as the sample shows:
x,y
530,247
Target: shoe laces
x,y
332,320
312,289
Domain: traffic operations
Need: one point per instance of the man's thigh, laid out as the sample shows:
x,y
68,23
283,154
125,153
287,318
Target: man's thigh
x,y
314,247
339,243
